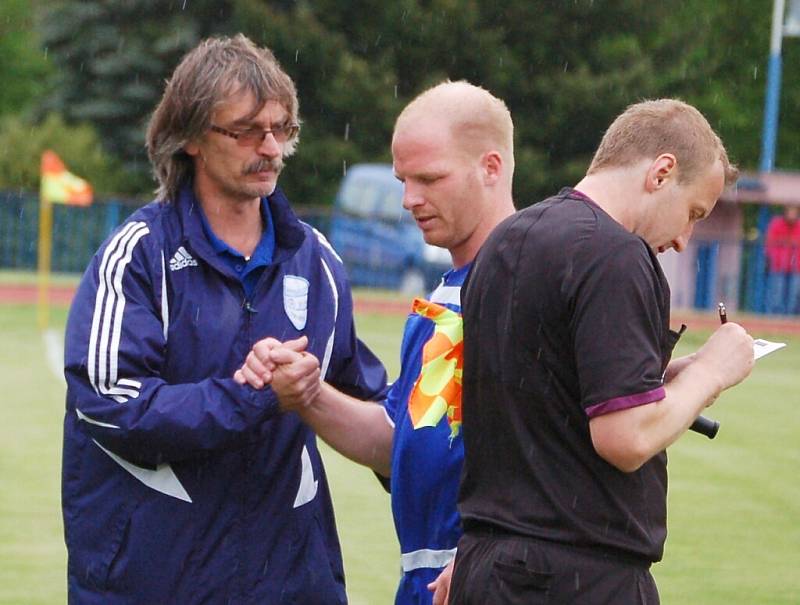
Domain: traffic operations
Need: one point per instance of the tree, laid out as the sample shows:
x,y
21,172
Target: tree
x,y
565,69
347,102
23,66
24,140
111,59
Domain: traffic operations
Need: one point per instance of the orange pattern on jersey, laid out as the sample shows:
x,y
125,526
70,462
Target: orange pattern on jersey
x,y
437,391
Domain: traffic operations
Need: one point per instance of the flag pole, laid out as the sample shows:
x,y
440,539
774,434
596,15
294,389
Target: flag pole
x,y
58,185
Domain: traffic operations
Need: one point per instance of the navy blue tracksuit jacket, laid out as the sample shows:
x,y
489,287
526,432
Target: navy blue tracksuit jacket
x,y
179,485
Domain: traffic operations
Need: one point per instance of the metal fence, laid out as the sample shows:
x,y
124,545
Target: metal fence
x,y
709,271
77,231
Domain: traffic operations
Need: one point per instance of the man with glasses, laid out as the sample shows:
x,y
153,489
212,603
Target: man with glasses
x,y
179,484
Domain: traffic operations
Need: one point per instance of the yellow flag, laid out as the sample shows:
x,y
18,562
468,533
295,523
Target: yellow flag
x,y
59,186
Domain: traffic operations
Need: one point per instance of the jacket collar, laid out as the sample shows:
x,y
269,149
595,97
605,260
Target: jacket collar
x,y
289,232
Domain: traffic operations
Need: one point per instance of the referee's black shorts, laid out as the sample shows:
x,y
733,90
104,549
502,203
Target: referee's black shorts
x,y
495,569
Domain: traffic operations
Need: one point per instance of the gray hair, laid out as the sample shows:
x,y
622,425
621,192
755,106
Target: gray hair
x,y
206,77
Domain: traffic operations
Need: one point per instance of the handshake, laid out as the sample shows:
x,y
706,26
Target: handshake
x,y
291,371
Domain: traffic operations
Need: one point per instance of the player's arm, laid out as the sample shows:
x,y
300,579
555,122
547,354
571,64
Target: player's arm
x,y
637,405
628,438
114,356
356,429
349,412
676,366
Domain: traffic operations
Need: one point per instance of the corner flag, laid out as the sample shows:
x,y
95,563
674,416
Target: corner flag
x,y
59,186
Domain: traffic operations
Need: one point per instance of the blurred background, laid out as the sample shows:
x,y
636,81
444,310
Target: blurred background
x,y
81,78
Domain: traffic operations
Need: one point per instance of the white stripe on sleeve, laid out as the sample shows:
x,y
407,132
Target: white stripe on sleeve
x,y
108,312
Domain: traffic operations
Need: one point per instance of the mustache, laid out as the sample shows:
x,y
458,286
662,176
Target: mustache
x,y
275,165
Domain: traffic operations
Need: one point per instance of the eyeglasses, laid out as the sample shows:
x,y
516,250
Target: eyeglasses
x,y
256,136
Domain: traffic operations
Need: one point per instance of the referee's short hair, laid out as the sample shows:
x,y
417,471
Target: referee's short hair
x,y
647,129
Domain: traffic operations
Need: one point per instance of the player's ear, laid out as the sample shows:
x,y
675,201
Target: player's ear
x,y
661,170
492,165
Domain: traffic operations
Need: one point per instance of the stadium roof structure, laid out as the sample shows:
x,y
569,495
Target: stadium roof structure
x,y
780,188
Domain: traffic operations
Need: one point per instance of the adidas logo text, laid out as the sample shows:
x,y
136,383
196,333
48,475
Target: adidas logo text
x,y
181,259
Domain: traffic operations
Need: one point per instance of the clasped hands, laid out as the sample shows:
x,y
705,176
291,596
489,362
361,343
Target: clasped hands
x,y
291,371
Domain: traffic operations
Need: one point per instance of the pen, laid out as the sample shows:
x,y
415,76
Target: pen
x,y
703,425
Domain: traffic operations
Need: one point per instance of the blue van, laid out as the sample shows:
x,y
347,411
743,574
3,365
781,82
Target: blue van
x,y
378,240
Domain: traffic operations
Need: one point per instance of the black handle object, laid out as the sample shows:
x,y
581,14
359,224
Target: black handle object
x,y
705,426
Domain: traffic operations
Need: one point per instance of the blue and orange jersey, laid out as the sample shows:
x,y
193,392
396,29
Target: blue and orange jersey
x,y
425,405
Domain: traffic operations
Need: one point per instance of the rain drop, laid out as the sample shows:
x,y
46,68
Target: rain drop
x,y
347,131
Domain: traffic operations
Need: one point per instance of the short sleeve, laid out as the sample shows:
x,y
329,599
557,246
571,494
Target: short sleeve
x,y
617,330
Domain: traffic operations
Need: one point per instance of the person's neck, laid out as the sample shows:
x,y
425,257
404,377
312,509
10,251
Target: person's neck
x,y
501,209
236,222
611,190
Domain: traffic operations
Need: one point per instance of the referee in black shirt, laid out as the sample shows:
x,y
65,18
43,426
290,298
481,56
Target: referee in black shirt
x,y
570,397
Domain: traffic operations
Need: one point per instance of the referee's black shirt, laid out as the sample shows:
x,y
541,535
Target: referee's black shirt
x,y
566,317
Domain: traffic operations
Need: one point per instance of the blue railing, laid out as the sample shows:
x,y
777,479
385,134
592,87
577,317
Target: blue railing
x,y
77,231
734,270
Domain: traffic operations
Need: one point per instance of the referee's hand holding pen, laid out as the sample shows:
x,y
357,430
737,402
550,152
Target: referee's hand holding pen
x,y
728,354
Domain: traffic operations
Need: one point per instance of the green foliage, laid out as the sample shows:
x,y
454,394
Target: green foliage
x,y
565,69
112,57
78,146
23,66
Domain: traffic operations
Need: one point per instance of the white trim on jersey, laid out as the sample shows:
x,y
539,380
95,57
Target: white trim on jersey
x,y
425,558
103,356
162,479
324,241
447,295
329,345
308,485
164,301
85,418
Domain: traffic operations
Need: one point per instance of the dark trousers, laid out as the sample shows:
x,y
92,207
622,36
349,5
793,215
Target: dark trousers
x,y
509,569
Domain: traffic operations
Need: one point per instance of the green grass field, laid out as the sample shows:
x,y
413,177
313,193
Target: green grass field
x,y
734,510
